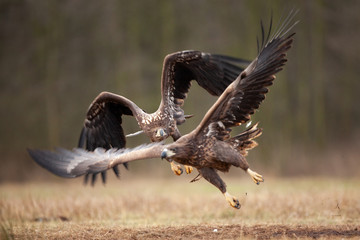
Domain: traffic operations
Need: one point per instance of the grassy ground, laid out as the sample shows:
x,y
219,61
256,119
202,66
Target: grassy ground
x,y
172,208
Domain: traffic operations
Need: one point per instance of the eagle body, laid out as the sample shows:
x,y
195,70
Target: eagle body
x,y
209,147
208,152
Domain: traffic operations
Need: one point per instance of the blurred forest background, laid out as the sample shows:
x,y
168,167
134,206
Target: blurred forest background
x,y
56,56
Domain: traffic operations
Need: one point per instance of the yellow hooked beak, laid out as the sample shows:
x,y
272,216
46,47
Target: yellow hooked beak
x,y
160,133
166,153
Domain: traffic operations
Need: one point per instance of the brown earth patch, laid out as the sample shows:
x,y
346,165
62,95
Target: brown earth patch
x,y
260,232
239,231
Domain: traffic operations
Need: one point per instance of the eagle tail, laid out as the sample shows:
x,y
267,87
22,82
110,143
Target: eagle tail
x,y
244,141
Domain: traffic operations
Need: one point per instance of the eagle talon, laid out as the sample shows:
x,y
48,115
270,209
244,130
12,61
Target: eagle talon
x,y
257,178
188,169
233,201
176,168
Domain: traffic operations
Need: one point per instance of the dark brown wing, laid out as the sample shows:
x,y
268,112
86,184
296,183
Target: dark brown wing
x,y
212,72
102,126
244,95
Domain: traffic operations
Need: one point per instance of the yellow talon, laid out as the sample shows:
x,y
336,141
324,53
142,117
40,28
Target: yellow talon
x,y
257,178
176,168
233,201
188,169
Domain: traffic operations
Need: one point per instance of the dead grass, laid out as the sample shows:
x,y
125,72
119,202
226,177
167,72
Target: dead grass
x,y
172,208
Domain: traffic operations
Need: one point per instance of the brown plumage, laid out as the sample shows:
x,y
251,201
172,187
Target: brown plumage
x,y
102,126
209,147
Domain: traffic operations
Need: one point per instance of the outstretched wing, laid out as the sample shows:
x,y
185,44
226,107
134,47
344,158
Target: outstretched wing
x,y
211,71
70,164
244,95
102,127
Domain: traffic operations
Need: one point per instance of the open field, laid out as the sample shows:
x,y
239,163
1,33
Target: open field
x,y
172,208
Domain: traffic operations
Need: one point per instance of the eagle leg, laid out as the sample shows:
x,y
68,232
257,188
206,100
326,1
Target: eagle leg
x,y
176,168
213,177
257,178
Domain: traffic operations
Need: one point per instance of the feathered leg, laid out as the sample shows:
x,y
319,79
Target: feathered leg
x,y
243,143
213,177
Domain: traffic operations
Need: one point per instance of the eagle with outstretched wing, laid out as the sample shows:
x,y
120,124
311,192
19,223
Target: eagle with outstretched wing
x,y
209,147
102,126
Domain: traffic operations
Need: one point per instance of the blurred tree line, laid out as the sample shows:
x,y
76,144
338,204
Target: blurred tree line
x,y
56,56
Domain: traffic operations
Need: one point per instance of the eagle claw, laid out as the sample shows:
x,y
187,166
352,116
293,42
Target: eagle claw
x,y
188,169
176,168
233,201
257,178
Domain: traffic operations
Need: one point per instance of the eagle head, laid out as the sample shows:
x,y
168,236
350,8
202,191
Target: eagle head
x,y
167,154
160,134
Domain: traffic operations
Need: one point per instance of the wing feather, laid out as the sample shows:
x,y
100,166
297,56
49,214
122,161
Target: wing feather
x,y
212,72
242,97
102,127
75,163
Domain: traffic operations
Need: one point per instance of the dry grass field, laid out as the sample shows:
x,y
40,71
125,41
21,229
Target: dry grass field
x,y
172,208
